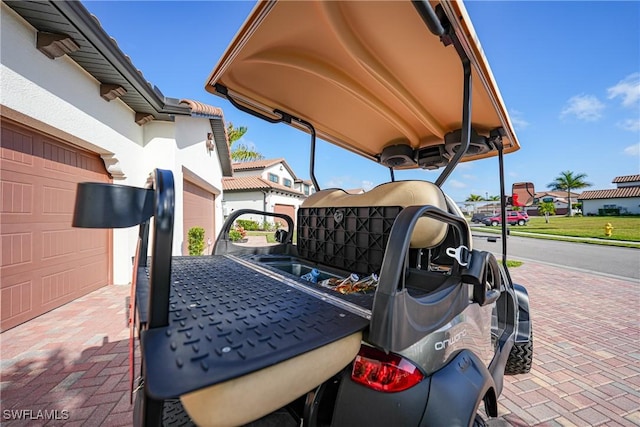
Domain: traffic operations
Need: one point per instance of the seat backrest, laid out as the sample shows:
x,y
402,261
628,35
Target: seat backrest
x,y
428,232
350,231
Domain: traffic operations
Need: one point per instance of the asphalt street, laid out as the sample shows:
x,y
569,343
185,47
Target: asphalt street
x,y
609,260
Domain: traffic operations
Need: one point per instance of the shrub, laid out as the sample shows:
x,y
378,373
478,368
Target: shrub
x,y
270,226
248,224
196,240
235,235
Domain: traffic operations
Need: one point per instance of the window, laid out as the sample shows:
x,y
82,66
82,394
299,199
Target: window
x,y
547,199
274,178
286,182
306,190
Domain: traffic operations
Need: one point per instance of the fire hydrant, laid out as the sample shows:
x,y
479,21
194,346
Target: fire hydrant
x,y
608,229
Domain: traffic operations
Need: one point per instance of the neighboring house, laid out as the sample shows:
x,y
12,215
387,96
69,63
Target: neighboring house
x,y
558,198
623,200
73,109
265,185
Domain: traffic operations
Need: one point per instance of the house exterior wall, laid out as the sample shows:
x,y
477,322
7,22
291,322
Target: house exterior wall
x,y
281,174
629,205
240,174
237,200
628,184
59,96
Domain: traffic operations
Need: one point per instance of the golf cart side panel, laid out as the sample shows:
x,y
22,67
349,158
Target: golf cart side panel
x,y
357,405
524,316
393,80
457,390
450,397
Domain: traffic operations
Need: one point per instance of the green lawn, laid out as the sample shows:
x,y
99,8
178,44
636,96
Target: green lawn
x,y
268,234
624,227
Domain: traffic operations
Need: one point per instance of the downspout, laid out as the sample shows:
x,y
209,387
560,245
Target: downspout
x,y
264,206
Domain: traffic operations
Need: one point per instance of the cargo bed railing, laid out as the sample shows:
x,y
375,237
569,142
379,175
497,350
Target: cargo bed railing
x,y
100,205
224,245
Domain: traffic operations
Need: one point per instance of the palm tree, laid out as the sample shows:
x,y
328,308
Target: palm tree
x,y
474,198
568,181
240,152
547,208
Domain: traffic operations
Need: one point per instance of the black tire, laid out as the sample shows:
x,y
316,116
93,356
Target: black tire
x,y
521,358
521,222
478,421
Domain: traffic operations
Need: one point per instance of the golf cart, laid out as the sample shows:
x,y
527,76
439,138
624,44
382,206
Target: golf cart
x,y
402,322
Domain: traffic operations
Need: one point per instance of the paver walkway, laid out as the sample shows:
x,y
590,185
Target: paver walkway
x,y
74,360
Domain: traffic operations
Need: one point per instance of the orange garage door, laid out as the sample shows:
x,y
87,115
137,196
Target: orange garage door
x,y
45,262
287,210
198,211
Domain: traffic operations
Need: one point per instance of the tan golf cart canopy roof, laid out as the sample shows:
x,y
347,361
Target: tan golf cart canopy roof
x,y
365,74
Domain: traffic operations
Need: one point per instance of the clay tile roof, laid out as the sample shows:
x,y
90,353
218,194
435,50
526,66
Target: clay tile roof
x,y
253,183
200,109
559,194
258,164
615,193
626,178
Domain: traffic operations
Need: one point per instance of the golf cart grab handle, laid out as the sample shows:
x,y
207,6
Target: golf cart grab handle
x,y
219,247
393,263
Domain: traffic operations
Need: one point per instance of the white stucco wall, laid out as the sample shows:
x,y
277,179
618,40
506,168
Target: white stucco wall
x,y
628,184
281,171
240,174
234,201
60,94
631,204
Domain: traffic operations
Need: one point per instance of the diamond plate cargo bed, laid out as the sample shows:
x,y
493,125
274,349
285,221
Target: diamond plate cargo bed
x,y
227,319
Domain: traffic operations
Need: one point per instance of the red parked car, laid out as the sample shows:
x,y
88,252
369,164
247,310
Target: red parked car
x,y
513,218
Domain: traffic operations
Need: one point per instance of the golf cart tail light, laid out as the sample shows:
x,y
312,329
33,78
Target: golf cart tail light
x,y
384,372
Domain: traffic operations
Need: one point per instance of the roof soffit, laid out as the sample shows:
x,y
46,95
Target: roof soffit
x,y
99,54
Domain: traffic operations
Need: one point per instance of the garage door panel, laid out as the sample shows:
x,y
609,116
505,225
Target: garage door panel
x,y
17,197
198,211
17,148
17,300
42,255
289,210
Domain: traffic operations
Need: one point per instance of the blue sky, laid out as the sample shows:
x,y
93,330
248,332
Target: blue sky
x,y
569,73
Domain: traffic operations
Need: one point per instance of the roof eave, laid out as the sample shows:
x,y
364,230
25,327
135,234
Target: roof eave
x,y
80,17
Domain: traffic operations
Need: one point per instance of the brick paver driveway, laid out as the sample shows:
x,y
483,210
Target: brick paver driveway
x,y
74,360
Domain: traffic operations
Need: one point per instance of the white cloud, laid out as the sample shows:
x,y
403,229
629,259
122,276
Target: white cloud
x,y
336,182
469,177
584,107
464,165
632,125
518,121
456,184
513,174
367,185
348,182
628,89
633,150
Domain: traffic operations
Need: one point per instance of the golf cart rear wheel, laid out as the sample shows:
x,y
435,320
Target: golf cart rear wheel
x,y
478,421
521,357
